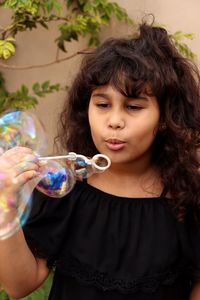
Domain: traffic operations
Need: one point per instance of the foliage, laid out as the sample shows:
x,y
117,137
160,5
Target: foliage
x,y
178,38
77,18
22,98
7,48
82,18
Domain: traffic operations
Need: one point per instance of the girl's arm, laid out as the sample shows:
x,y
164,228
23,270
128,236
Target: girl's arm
x,y
195,294
20,271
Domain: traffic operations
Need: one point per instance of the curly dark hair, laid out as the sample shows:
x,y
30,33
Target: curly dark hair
x,y
129,64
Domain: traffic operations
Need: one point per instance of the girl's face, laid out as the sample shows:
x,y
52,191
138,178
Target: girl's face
x,y
123,128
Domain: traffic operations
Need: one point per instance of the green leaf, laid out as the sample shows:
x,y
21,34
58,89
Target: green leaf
x,y
7,48
3,295
94,41
45,88
69,3
24,90
49,5
45,85
36,87
61,44
177,38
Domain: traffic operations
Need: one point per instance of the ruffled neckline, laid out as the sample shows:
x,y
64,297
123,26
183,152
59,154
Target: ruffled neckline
x,y
88,187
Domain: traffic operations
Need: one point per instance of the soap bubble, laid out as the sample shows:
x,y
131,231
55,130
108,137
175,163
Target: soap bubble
x,y
20,128
58,179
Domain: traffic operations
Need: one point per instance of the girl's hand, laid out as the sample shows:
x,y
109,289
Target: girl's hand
x,y
18,165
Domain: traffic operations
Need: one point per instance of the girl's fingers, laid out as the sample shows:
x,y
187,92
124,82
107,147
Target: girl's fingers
x,y
14,185
23,167
17,166
23,178
12,157
6,179
19,162
11,181
20,167
16,150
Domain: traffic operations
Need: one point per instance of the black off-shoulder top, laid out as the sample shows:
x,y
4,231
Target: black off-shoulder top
x,y
104,246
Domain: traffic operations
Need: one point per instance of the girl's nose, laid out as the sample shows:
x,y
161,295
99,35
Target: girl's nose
x,y
116,121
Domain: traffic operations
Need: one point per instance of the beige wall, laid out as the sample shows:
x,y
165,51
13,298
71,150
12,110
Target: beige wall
x,y
37,47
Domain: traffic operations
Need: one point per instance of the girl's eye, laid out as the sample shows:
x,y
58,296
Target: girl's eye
x,y
102,105
133,107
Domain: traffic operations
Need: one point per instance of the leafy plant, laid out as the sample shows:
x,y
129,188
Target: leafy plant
x,y
22,97
178,38
83,18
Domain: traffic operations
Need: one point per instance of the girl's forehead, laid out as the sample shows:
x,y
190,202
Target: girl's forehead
x,y
145,88
104,87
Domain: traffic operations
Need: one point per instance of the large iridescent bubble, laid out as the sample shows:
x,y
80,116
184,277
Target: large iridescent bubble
x,y
20,128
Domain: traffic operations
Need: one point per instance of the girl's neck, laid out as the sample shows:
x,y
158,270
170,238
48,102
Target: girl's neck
x,y
129,181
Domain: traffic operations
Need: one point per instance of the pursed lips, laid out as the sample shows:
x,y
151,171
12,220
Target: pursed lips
x,y
115,144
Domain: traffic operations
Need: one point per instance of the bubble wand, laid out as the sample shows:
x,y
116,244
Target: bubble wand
x,y
59,173
99,162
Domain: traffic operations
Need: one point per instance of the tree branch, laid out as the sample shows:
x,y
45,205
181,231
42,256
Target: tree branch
x,y
57,61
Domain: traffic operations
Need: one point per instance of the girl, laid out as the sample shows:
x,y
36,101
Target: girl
x,y
133,231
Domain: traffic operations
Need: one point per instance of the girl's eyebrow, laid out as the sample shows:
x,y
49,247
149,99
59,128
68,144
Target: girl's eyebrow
x,y
143,97
102,95
107,97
